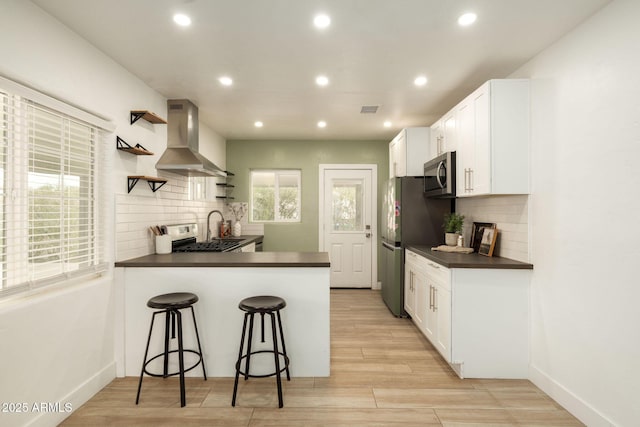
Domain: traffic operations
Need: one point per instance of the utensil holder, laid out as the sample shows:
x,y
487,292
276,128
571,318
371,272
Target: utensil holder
x,y
163,244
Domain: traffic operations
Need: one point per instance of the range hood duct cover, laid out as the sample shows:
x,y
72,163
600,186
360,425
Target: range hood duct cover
x,y
182,155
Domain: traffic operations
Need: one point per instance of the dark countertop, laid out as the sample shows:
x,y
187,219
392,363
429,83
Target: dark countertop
x,y
474,260
230,259
248,239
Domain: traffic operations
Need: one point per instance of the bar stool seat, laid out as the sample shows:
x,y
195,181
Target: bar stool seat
x,y
170,305
264,304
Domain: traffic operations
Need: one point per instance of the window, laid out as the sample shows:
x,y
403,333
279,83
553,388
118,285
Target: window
x,y
275,196
50,229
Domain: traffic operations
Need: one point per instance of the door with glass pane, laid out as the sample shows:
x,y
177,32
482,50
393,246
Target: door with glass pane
x,y
348,227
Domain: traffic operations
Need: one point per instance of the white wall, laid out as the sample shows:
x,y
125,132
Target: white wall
x,y
58,345
584,207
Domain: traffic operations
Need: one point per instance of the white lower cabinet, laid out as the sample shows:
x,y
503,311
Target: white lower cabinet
x,y
410,269
415,289
251,247
437,326
428,300
476,318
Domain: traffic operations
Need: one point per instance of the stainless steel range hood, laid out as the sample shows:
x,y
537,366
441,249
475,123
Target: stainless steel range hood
x,y
182,156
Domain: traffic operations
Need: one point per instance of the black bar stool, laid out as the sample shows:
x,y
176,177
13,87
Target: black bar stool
x,y
264,305
170,305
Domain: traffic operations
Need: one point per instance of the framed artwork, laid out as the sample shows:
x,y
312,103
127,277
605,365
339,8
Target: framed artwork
x,y
488,241
476,233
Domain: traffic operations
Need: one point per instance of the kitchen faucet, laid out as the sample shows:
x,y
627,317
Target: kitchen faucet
x,y
208,218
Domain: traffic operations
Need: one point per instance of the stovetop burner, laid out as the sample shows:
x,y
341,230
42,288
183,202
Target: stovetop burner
x,y
213,246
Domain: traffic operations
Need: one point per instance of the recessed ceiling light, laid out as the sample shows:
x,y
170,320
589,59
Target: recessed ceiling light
x,y
322,124
420,81
182,20
225,81
321,20
467,19
387,124
322,80
258,124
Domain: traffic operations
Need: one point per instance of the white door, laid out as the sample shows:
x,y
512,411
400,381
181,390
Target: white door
x,y
347,212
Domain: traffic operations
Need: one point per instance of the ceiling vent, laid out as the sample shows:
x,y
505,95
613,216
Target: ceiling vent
x,y
369,109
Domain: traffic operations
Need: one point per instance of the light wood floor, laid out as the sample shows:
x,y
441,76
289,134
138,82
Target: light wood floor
x,y
383,372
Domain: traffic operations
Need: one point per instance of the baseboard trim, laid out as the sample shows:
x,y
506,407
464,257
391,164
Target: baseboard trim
x,y
76,398
572,403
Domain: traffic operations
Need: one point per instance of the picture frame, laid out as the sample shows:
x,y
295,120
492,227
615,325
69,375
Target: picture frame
x,y
488,242
476,233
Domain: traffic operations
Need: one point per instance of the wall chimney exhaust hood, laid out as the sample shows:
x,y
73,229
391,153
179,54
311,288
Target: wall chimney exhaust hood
x,y
182,156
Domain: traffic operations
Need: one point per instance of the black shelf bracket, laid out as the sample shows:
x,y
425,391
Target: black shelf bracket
x,y
154,184
131,183
136,115
121,144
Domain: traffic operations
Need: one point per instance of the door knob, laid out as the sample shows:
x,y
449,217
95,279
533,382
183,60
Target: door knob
x,y
368,235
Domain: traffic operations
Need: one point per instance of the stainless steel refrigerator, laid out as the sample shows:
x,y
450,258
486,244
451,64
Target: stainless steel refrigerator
x,y
408,217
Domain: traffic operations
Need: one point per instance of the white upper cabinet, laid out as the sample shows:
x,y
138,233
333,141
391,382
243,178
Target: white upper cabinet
x,y
449,129
443,135
492,139
408,152
437,139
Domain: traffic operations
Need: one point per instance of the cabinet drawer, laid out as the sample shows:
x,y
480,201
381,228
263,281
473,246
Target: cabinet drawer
x,y
438,272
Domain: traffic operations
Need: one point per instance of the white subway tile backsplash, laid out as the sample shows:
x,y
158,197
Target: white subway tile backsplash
x,y
511,215
135,213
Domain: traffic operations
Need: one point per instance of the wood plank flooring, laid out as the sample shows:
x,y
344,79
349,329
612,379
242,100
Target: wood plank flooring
x,y
383,373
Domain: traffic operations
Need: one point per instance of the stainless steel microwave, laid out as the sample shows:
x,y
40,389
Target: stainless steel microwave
x,y
440,176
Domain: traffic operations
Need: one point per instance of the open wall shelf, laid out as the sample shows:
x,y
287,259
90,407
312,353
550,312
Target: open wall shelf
x,y
225,187
146,115
138,150
154,183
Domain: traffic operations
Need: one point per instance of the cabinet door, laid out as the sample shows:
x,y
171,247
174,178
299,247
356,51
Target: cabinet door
x,y
400,154
251,247
409,294
437,139
481,168
465,151
430,323
449,142
392,161
443,314
421,299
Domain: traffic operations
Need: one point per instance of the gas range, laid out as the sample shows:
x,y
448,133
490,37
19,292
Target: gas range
x,y
183,239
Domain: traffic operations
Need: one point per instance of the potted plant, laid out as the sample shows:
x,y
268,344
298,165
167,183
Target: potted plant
x,y
453,223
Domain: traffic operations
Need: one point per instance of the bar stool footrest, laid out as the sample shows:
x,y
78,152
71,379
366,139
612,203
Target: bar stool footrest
x,y
173,373
284,368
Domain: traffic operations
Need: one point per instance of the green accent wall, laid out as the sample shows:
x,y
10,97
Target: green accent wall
x,y
245,155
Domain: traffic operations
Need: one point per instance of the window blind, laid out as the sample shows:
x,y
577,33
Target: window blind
x,y
51,224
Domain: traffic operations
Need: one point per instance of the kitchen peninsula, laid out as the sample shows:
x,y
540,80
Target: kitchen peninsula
x,y
221,280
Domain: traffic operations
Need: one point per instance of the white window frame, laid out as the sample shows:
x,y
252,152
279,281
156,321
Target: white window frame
x,y
19,277
277,173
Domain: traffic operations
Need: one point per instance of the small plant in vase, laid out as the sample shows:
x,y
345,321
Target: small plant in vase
x,y
453,223
239,210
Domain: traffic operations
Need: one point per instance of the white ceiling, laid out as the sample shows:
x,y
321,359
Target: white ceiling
x,y
371,53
